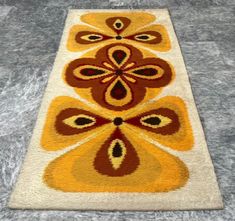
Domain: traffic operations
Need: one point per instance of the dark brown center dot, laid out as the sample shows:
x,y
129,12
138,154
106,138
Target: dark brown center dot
x,y
118,25
118,72
118,121
118,37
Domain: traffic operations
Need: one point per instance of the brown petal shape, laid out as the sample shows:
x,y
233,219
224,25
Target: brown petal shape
x,y
154,121
88,37
149,37
118,24
116,146
81,124
132,71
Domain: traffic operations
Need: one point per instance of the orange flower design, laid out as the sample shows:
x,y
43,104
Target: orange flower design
x,y
122,27
115,158
118,75
109,147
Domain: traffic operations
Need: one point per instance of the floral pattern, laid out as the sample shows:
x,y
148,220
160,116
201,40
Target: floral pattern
x,y
118,75
118,27
124,142
115,151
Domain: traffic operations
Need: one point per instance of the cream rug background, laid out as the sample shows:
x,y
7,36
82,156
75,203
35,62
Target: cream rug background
x,y
201,192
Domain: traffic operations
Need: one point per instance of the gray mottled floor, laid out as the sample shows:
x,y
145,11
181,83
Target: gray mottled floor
x,y
29,36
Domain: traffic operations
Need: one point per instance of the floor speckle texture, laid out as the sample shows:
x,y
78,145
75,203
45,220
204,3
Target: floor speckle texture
x,y
30,33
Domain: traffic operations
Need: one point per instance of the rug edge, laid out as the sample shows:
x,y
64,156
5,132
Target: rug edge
x,y
13,205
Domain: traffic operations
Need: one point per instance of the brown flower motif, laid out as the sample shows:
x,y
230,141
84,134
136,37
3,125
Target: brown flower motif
x,y
112,152
118,75
134,28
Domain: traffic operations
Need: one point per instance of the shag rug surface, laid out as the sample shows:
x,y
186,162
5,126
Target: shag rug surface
x,y
118,128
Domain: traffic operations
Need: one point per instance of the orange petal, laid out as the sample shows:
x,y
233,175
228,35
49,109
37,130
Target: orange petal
x,y
119,55
117,156
154,37
68,121
82,37
118,24
157,171
137,20
173,130
118,93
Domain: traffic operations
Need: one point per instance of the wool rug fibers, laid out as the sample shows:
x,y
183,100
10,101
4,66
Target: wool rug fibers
x,y
118,128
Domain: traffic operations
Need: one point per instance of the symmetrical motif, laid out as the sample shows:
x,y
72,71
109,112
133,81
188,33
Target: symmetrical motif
x,y
108,146
118,75
107,28
115,153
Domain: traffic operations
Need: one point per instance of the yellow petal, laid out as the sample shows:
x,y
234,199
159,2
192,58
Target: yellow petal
x,y
158,170
52,139
98,20
182,139
163,45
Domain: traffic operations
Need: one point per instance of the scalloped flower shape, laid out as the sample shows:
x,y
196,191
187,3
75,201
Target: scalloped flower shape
x,y
118,76
116,154
132,28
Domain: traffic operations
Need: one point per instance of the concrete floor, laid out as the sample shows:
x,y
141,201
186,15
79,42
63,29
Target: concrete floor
x,y
30,32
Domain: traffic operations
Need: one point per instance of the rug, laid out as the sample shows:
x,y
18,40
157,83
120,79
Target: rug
x,y
118,128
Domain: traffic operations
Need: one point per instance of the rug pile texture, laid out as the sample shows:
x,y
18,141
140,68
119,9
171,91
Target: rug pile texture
x,y
118,127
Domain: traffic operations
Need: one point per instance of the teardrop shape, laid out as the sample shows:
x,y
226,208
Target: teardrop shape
x,y
91,72
83,121
162,121
150,37
118,24
95,37
117,156
155,120
71,121
152,120
146,72
80,121
88,37
119,56
116,152
118,91
143,37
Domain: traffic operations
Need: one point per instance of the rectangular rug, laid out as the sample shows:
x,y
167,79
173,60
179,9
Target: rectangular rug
x,y
118,128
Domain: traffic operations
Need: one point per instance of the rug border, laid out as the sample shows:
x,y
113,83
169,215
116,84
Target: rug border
x,y
108,205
